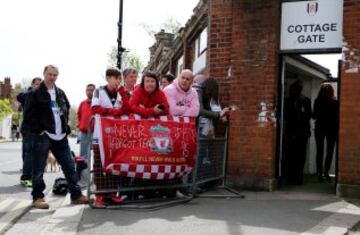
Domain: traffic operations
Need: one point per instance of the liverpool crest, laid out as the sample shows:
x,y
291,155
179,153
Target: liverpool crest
x,y
161,140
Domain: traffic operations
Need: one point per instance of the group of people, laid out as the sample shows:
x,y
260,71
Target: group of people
x,y
297,115
181,96
46,114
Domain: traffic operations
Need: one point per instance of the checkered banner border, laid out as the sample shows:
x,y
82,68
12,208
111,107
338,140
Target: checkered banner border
x,y
153,172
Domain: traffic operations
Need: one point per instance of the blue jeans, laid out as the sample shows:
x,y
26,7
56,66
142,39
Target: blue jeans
x,y
27,146
85,142
61,151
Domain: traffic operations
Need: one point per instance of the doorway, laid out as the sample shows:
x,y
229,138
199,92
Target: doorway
x,y
311,71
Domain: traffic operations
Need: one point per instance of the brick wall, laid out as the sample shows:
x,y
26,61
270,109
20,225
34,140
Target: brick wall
x,y
243,43
220,44
349,145
242,55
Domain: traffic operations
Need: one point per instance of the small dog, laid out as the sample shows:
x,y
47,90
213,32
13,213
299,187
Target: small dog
x,y
52,164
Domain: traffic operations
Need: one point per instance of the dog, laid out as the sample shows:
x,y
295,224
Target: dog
x,y
52,164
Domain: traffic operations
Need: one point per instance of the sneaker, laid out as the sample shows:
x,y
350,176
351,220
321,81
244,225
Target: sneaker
x,y
99,201
112,198
40,203
26,183
179,194
81,200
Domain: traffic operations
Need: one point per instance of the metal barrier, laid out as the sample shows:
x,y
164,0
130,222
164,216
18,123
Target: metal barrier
x,y
209,170
136,190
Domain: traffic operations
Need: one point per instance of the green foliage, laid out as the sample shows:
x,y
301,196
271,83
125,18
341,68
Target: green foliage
x,y
16,117
5,108
170,26
128,60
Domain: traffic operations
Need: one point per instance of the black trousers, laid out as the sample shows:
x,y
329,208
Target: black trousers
x,y
320,137
294,159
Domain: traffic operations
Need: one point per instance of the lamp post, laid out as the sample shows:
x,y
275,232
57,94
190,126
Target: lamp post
x,y
120,49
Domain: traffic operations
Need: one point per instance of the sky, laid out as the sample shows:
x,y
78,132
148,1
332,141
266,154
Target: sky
x,y
329,61
77,35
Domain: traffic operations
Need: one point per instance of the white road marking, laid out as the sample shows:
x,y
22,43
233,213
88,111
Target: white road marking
x,y
5,203
13,213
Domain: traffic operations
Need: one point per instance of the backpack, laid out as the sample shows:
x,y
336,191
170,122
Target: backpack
x,y
60,186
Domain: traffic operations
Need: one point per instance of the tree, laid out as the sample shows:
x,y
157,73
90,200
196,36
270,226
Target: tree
x,y
131,60
170,26
5,109
128,60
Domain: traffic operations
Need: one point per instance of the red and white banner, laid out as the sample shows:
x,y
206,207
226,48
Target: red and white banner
x,y
154,148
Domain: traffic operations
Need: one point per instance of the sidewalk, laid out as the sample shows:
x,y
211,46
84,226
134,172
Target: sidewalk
x,y
258,213
3,140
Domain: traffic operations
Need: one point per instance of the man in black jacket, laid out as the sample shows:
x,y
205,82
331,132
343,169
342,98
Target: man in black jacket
x,y
297,114
27,141
47,114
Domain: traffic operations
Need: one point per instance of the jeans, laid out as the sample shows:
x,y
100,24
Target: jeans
x,y
27,148
61,151
85,142
330,145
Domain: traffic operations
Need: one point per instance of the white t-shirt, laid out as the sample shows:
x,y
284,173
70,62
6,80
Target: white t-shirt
x,y
59,134
101,98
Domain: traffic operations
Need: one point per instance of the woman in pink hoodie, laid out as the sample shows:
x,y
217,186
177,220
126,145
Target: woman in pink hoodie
x,y
182,98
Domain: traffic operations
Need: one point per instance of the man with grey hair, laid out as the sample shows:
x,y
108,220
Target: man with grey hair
x,y
47,114
130,78
182,98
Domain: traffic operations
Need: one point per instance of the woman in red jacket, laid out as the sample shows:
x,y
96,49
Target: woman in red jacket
x,y
148,100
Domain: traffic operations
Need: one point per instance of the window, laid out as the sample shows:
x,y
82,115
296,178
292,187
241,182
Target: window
x,y
202,42
180,65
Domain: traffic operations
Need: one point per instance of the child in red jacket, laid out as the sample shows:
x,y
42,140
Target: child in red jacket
x,y
148,100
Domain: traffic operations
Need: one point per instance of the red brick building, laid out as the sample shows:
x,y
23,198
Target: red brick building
x,y
237,42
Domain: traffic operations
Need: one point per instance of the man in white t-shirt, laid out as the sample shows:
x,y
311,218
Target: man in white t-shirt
x,y
47,114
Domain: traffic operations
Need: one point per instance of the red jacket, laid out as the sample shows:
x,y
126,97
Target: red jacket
x,y
84,114
141,98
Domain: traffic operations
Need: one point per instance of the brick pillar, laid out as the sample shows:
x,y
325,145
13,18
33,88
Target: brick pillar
x,y
219,45
349,138
243,55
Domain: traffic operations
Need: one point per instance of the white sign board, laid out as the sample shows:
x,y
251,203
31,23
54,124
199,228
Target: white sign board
x,y
311,25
